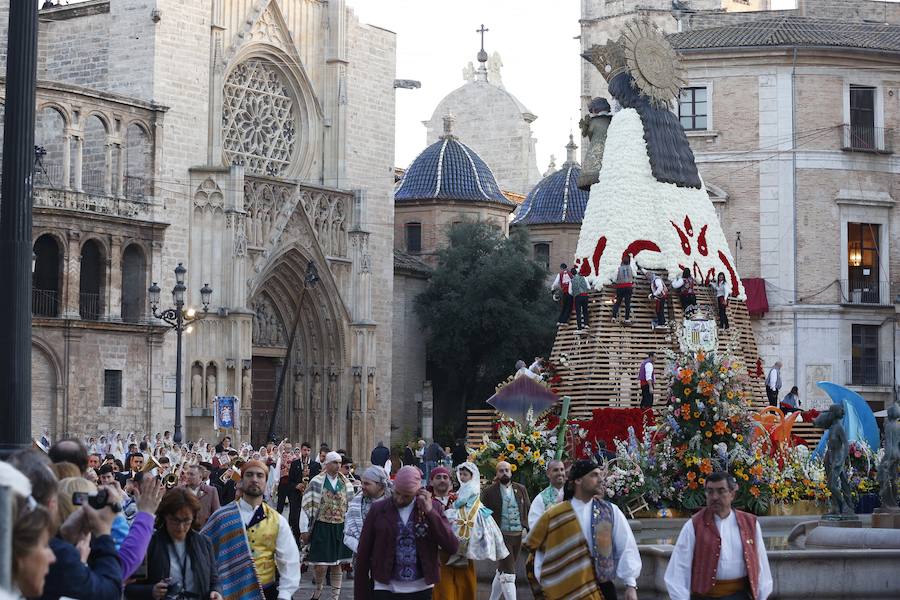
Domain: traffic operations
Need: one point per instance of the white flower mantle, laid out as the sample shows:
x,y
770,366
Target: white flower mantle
x,y
666,227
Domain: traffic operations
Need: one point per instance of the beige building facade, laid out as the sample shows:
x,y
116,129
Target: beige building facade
x,y
792,122
244,140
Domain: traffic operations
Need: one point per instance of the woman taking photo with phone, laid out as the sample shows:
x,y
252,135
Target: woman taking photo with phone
x,y
180,562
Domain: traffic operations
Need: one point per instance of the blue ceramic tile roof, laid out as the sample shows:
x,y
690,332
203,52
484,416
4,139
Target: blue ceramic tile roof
x,y
449,170
555,199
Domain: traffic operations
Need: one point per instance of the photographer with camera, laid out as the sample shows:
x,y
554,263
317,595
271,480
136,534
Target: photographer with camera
x,y
180,561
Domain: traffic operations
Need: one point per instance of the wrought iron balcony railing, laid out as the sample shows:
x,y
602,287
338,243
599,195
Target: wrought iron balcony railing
x,y
862,138
861,371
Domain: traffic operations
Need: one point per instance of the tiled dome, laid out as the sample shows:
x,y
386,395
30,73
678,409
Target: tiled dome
x,y
556,198
449,170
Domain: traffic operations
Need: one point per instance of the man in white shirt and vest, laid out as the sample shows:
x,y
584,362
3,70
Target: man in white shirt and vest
x,y
646,379
719,553
552,494
773,384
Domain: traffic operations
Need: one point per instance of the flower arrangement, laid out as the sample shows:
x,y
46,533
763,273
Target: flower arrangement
x,y
799,476
624,481
709,426
526,447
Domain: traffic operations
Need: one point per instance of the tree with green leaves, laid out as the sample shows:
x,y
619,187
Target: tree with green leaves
x,y
485,307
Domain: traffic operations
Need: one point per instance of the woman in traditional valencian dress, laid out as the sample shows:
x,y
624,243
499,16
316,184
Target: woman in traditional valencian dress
x,y
472,521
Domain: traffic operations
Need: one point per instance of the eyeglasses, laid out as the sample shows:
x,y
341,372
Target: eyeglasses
x,y
180,522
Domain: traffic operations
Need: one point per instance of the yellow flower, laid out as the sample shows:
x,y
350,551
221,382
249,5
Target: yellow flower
x,y
536,455
740,438
709,434
687,391
501,457
541,462
513,467
511,447
535,434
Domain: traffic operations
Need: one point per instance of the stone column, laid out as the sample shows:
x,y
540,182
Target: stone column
x,y
120,171
72,276
79,147
67,162
427,411
107,175
114,277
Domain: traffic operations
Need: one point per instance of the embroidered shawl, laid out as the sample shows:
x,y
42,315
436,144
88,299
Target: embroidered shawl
x,y
312,496
237,572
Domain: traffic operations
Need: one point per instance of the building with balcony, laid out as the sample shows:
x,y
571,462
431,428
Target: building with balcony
x,y
791,117
215,134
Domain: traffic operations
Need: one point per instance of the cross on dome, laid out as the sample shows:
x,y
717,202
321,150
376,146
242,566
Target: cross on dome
x,y
482,55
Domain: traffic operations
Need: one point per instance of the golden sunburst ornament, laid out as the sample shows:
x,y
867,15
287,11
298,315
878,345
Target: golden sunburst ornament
x,y
652,62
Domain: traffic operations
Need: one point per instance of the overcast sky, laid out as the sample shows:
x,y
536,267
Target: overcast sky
x,y
435,40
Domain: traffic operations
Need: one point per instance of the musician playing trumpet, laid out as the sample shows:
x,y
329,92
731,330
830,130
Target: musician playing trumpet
x,y
302,470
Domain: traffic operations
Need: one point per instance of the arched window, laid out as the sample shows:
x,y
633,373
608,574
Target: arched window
x,y
542,254
91,284
134,284
49,143
138,163
93,160
45,281
414,237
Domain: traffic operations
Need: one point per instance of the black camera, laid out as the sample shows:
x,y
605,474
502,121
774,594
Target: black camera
x,y
174,591
97,500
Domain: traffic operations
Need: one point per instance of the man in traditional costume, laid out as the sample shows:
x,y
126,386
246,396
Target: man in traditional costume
x,y
580,545
720,552
325,504
397,555
551,495
257,555
509,504
375,486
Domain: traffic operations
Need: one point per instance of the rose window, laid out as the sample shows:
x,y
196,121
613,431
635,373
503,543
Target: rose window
x,y
258,119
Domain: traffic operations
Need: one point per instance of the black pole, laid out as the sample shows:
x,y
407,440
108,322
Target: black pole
x,y
179,325
284,367
15,227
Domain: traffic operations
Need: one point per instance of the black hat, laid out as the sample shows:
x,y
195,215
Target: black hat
x,y
563,266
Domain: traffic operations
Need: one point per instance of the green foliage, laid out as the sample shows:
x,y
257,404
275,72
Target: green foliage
x,y
485,307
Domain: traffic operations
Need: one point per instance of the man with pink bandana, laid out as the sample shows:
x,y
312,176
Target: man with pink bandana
x,y
397,556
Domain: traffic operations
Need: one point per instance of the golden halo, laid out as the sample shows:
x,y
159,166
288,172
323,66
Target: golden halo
x,y
652,62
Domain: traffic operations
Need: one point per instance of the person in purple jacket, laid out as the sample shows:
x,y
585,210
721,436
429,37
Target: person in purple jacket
x,y
397,556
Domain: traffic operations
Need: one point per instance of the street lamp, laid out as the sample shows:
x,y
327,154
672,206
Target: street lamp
x,y
180,320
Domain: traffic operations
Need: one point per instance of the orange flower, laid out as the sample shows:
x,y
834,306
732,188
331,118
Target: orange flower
x,y
709,434
720,427
701,356
756,470
685,376
691,476
706,466
754,490
692,485
702,424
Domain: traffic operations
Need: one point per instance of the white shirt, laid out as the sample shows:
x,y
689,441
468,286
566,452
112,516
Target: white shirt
x,y
659,287
731,559
772,379
649,372
538,508
625,550
287,556
566,279
404,587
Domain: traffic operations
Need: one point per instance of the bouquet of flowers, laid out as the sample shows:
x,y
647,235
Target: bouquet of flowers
x,y
526,447
624,481
862,469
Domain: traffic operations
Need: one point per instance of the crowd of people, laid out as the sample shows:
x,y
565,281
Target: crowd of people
x,y
143,535
570,289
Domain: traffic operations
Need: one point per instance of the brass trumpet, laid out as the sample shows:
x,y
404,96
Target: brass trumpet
x,y
171,480
150,464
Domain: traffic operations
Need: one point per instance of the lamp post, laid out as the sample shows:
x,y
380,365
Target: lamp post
x,y
180,320
309,281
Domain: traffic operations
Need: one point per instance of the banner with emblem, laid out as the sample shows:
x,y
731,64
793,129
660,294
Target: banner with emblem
x,y
225,412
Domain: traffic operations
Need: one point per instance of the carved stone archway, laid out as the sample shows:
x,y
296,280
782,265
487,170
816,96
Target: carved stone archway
x,y
316,391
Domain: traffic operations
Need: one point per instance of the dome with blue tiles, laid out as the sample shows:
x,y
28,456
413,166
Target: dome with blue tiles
x,y
556,198
449,170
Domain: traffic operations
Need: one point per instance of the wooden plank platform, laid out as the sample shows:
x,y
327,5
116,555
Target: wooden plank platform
x,y
602,360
